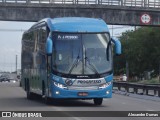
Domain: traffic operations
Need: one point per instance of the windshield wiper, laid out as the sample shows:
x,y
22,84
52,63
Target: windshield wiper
x,y
91,66
75,63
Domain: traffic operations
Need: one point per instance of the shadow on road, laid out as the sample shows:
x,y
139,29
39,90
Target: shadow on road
x,y
12,96
67,102
23,102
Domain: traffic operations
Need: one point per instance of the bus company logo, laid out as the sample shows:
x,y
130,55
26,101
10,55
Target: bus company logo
x,y
69,82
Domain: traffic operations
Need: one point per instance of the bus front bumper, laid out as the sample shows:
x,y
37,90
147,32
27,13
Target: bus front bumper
x,y
81,94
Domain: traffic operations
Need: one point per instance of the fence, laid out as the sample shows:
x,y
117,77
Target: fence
x,y
155,88
134,3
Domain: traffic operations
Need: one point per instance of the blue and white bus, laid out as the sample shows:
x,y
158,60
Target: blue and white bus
x,y
68,58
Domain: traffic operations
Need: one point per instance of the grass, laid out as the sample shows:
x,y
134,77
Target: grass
x,y
152,81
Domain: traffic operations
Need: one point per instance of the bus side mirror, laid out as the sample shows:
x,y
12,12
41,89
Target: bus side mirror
x,y
49,46
117,44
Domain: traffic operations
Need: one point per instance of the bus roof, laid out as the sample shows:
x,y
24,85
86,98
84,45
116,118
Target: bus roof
x,y
76,24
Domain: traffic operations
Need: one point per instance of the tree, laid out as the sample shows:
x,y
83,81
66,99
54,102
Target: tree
x,y
141,49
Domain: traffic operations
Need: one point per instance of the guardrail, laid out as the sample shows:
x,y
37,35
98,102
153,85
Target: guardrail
x,y
134,3
155,88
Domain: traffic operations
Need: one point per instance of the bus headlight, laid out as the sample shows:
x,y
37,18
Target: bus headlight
x,y
104,85
60,85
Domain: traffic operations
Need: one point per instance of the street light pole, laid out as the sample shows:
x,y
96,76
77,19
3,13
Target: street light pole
x,y
127,64
127,70
159,72
16,64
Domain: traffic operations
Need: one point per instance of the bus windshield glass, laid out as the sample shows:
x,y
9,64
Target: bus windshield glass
x,y
81,53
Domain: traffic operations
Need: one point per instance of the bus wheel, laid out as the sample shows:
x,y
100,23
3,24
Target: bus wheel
x,y
30,95
20,84
45,98
98,101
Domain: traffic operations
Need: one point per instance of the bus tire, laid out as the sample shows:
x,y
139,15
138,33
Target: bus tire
x,y
20,84
98,101
43,89
45,98
30,95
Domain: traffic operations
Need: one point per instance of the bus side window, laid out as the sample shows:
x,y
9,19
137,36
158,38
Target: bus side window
x,y
44,34
48,64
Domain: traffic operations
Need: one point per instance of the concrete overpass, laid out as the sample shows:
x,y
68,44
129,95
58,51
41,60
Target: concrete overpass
x,y
120,12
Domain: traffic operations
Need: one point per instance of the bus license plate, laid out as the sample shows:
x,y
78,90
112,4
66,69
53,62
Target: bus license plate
x,y
82,94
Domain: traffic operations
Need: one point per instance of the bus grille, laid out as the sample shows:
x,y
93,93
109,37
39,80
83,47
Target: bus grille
x,y
83,88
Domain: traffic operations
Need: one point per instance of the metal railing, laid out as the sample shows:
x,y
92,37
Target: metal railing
x,y
134,88
133,3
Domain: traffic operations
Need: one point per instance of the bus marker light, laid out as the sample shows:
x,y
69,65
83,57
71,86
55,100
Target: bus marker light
x,y
57,92
107,92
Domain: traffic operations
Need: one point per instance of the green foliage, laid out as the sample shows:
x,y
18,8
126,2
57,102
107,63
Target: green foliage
x,y
153,81
141,48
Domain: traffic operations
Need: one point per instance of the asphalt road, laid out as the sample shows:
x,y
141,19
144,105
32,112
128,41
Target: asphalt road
x,y
13,98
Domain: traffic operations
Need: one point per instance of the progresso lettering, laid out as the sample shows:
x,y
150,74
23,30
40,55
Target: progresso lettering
x,y
88,81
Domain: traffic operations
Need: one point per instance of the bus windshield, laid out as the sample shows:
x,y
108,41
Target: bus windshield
x,y
81,53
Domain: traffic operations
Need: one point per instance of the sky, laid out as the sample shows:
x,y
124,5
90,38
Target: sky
x,y
10,42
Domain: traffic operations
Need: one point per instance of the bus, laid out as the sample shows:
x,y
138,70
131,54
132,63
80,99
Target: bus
x,y
68,58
